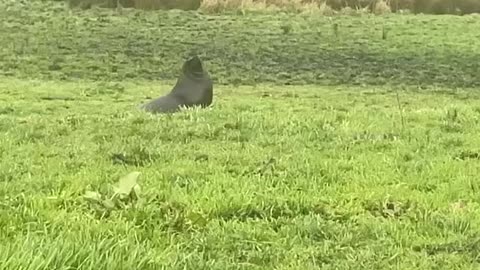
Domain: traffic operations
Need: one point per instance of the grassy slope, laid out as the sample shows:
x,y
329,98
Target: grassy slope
x,y
281,48
347,188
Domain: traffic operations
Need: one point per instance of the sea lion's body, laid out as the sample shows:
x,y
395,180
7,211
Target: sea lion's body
x,y
194,87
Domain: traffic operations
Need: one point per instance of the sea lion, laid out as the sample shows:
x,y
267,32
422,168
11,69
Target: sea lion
x,y
194,87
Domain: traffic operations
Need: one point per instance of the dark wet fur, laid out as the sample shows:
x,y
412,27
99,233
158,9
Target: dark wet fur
x,y
194,87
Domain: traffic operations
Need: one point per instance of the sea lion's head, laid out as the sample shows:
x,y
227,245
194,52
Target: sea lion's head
x,y
193,67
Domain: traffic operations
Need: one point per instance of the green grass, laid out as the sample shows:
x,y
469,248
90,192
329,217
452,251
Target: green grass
x,y
366,163
45,40
285,178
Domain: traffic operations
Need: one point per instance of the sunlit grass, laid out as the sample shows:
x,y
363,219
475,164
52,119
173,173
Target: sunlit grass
x,y
286,177
344,142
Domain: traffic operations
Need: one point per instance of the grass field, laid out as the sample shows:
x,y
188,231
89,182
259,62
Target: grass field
x,y
326,147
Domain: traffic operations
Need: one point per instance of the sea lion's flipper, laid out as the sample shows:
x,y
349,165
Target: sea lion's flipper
x,y
165,104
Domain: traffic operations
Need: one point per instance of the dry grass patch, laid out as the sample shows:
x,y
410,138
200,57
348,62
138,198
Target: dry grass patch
x,y
223,5
325,7
381,7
